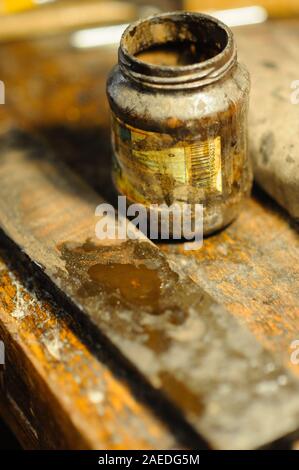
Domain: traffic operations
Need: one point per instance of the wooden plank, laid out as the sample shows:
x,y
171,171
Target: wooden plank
x,y
56,393
57,18
253,269
69,119
156,316
275,8
274,116
141,428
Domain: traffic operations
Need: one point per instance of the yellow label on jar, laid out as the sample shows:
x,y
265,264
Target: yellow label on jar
x,y
143,155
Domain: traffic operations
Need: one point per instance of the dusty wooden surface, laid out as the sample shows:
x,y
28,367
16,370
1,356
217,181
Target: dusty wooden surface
x,y
274,125
56,394
70,87
252,269
164,325
60,395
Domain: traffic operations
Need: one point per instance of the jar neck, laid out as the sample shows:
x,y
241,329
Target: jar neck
x,y
204,44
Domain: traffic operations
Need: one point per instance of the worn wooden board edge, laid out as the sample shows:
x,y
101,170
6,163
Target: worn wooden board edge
x,y
14,415
175,431
235,342
55,394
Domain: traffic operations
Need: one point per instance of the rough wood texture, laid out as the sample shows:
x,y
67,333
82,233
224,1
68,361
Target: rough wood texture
x,y
252,269
70,86
163,324
55,393
274,116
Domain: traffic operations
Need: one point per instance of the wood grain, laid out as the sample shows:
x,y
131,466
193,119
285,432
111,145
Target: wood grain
x,y
252,269
55,393
163,324
70,87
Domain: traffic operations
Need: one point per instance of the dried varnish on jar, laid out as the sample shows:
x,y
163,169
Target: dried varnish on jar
x,y
179,101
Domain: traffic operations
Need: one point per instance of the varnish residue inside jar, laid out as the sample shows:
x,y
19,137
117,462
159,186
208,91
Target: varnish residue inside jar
x,y
180,42
176,54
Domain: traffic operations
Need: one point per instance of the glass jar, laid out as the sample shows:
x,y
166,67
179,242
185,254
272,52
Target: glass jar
x,y
179,102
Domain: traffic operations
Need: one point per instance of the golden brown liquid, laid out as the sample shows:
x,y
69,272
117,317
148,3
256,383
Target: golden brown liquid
x,y
137,285
175,54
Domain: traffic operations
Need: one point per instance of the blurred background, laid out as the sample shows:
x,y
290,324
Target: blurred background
x,y
28,18
48,43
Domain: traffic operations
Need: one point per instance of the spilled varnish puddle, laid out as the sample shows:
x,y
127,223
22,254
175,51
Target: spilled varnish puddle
x,y
137,285
129,275
134,296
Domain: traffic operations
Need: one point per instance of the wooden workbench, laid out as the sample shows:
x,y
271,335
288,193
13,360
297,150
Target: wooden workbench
x,y
65,386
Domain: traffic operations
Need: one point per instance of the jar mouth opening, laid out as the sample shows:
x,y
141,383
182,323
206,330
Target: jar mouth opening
x,y
186,39
178,44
